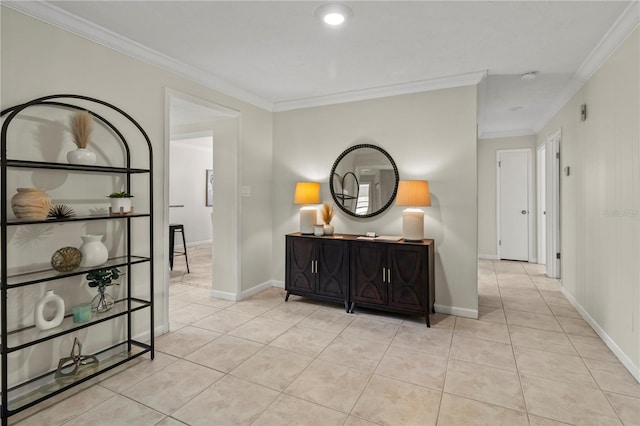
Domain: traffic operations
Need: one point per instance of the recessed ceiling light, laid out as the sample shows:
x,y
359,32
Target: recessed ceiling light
x,y
333,14
531,75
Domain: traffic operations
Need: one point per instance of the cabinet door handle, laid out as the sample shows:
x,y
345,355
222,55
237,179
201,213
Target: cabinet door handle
x,y
389,275
383,275
314,267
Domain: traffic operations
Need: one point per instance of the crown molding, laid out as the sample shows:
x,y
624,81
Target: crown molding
x,y
460,80
506,134
57,17
618,33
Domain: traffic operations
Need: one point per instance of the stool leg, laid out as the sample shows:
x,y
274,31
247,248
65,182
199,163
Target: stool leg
x,y
186,258
171,242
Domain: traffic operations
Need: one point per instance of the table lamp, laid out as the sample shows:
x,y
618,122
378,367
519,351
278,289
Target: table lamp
x,y
307,193
413,193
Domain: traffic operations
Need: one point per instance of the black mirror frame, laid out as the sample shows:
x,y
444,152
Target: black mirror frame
x,y
333,170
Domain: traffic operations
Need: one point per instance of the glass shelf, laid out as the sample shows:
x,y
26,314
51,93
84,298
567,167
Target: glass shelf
x,y
72,167
24,337
37,390
16,222
28,278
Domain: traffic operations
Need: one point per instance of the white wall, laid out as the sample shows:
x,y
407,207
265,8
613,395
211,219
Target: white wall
x,y
600,217
487,227
39,59
430,136
189,160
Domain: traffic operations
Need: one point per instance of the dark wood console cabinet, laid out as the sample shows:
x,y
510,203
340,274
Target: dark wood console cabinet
x,y
378,274
318,267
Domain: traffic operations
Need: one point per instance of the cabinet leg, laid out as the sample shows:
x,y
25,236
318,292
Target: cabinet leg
x,y
352,307
346,306
286,298
426,319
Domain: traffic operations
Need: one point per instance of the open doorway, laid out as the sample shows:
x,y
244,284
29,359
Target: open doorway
x,y
553,205
190,204
541,202
201,187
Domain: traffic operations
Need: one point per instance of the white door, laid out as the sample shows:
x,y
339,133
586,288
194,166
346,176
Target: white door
x,y
513,204
542,202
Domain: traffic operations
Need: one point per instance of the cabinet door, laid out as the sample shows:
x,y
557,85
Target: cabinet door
x,y
299,273
333,268
367,261
409,276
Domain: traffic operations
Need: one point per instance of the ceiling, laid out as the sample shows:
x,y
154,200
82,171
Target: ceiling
x,y
279,56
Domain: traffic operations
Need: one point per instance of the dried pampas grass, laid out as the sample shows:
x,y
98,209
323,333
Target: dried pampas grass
x,y
327,213
81,123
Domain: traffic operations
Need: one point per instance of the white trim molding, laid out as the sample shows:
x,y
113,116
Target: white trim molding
x,y
454,310
506,134
619,353
225,295
278,284
620,30
51,14
256,289
488,257
460,80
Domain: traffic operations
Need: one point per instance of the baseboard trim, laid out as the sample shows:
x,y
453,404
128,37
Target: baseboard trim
x,y
145,336
624,359
459,312
279,284
256,289
226,295
488,257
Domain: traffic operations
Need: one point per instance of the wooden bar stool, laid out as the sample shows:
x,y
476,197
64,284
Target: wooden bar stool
x,y
173,228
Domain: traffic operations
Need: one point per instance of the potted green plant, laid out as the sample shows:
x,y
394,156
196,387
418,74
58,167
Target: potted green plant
x,y
121,203
102,278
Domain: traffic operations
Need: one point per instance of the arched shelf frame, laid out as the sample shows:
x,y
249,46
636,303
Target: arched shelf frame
x,y
130,303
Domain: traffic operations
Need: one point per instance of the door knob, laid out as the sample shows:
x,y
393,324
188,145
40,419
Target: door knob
x,y
524,212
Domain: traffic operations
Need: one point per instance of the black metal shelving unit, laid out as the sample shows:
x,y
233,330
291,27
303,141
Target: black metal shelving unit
x,y
18,397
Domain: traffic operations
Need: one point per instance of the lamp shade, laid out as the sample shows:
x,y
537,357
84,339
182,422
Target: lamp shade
x,y
307,193
413,193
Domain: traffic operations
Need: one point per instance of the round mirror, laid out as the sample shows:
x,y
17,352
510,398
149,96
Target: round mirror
x,y
364,180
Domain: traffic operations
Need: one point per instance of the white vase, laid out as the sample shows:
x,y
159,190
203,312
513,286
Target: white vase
x,y
41,322
120,203
328,229
94,252
81,156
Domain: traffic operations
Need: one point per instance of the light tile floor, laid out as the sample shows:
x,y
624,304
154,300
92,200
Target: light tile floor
x,y
528,360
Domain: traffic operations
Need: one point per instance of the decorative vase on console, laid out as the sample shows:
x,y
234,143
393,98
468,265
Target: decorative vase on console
x,y
81,123
327,216
94,252
30,204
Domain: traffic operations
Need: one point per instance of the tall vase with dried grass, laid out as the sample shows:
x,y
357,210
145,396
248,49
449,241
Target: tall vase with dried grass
x,y
327,216
81,125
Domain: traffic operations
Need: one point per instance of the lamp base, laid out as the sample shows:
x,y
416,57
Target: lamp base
x,y
308,217
413,224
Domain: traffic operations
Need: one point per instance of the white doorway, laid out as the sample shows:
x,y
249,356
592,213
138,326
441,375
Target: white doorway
x,y
541,199
192,120
514,200
552,196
